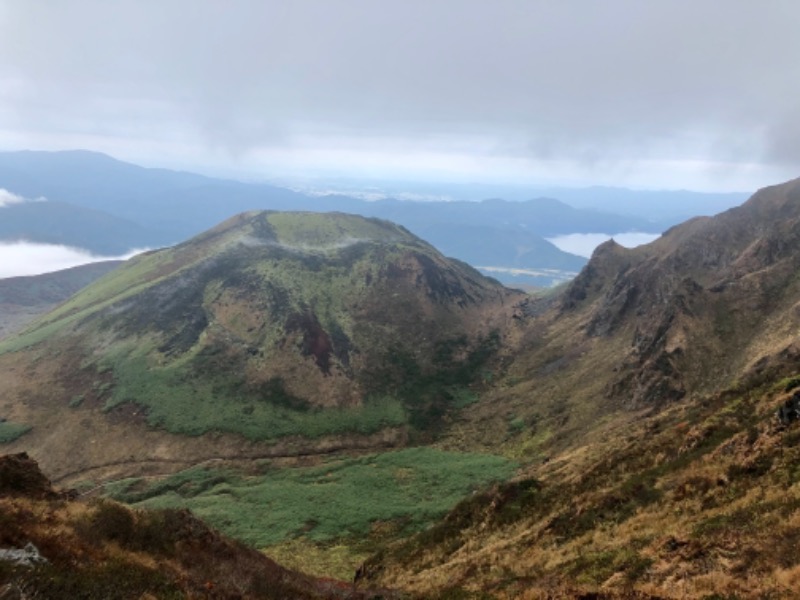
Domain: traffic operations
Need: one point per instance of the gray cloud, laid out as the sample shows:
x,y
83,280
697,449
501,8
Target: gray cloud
x,y
582,81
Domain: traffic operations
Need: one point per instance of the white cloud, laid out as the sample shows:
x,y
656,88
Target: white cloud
x,y
583,244
28,258
8,198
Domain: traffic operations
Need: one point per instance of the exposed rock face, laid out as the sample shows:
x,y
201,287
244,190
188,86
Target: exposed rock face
x,y
789,412
27,556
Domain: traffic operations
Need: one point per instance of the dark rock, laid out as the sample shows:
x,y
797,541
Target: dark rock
x,y
20,476
789,412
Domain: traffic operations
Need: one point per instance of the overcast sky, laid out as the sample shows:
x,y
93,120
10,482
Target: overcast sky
x,y
693,94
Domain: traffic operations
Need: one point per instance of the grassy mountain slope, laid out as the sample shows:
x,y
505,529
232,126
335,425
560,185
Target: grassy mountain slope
x,y
645,397
701,500
22,299
290,330
710,302
641,399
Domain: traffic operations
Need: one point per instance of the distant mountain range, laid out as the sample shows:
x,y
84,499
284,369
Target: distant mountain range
x,y
661,208
109,207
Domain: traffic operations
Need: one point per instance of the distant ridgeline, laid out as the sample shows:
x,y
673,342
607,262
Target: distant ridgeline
x,y
110,207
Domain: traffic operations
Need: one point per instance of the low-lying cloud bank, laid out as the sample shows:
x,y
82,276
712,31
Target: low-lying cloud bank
x,y
7,198
29,258
583,244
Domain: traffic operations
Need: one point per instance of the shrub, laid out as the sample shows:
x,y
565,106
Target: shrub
x,y
791,384
755,468
108,521
152,531
11,431
596,567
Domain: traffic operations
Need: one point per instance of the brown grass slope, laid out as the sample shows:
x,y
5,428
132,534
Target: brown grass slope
x,y
53,546
644,398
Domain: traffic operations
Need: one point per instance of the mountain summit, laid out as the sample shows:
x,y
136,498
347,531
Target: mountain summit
x,y
272,325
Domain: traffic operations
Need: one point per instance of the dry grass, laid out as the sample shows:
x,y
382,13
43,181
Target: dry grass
x,y
103,550
701,500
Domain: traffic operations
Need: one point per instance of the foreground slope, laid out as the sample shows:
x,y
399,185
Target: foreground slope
x,y
53,545
271,334
647,396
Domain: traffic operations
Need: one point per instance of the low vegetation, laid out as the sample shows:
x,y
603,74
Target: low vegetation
x,y
193,407
276,325
349,503
10,431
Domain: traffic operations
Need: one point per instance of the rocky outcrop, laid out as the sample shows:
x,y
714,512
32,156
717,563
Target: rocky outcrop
x,y
789,411
20,476
700,301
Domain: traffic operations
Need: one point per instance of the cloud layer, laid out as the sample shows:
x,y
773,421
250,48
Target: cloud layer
x,y
614,89
28,258
8,198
